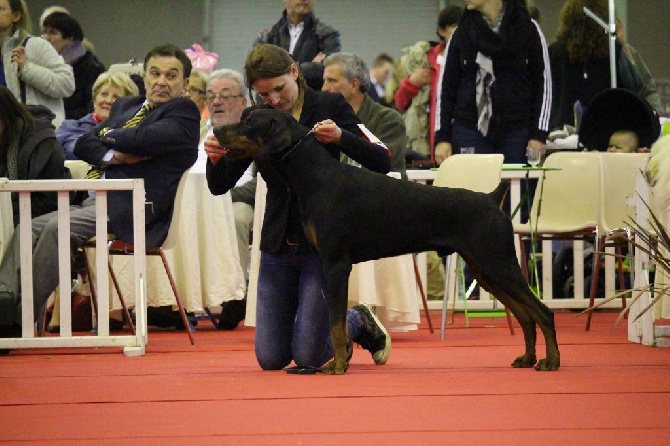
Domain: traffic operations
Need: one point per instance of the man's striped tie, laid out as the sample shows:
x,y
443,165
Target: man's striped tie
x,y
132,122
95,172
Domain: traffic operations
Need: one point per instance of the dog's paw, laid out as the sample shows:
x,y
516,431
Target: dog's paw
x,y
332,368
548,364
524,362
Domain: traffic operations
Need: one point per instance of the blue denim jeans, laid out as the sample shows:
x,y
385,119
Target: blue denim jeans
x,y
292,321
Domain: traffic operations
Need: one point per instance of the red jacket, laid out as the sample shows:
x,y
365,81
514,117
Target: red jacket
x,y
407,91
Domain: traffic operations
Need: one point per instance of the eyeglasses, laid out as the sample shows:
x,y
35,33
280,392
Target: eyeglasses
x,y
211,97
195,90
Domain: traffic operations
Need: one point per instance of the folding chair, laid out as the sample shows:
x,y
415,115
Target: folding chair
x,y
566,208
616,208
480,173
119,247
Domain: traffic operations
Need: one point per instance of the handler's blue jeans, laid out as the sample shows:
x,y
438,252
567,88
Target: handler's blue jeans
x,y
292,321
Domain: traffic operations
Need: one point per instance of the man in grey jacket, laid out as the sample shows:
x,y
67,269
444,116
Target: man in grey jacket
x,y
347,73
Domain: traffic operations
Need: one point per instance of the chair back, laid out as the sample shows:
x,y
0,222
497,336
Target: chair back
x,y
617,189
476,172
567,198
173,232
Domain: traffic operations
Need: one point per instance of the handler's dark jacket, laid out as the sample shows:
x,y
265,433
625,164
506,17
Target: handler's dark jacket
x,y
281,224
316,37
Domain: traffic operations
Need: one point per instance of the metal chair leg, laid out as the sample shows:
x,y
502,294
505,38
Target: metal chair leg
x,y
184,318
421,291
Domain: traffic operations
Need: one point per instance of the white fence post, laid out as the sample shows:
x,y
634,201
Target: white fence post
x,y
133,345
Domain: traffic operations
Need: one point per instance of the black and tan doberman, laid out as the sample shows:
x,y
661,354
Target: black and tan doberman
x,y
352,215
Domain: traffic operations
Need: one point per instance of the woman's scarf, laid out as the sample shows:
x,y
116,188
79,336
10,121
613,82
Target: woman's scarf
x,y
489,44
73,52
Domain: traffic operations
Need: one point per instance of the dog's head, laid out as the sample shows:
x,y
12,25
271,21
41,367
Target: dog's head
x,y
262,132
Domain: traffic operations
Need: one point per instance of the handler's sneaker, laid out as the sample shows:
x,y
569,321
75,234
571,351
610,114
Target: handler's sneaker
x,y
375,338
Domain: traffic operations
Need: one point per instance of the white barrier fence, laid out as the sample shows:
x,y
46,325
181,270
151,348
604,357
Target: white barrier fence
x,y
133,345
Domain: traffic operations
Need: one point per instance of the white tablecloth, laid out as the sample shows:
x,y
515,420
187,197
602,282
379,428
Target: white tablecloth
x,y
6,220
388,284
204,261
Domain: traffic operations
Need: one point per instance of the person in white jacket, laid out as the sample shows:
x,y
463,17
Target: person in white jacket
x,y
33,62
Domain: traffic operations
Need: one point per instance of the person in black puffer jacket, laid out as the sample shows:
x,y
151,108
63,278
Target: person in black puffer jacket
x,y
314,41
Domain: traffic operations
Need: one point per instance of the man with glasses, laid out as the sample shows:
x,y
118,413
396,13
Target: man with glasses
x,y
225,103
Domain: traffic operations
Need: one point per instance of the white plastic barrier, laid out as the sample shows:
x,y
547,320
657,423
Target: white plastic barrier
x,y
133,345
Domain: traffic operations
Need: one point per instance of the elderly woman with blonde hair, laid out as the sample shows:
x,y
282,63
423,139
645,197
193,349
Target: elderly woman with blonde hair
x,y
107,88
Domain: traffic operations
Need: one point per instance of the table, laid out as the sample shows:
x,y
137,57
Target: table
x,y
515,174
6,220
388,284
204,261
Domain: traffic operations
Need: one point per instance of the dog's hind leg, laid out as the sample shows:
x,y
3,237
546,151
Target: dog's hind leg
x,y
513,292
337,291
528,326
530,313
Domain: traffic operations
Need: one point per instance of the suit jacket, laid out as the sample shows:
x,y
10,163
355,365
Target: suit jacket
x,y
282,214
372,92
169,135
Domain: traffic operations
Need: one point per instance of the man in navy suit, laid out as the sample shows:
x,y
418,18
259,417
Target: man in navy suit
x,y
157,146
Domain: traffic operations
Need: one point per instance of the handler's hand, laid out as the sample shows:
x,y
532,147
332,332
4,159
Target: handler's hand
x,y
327,132
129,158
214,150
442,151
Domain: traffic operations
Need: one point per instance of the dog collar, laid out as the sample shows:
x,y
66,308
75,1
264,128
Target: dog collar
x,y
297,144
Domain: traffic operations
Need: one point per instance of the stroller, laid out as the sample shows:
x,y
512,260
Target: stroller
x,y
609,111
617,109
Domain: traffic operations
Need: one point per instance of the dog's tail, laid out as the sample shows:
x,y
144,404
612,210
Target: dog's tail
x,y
499,193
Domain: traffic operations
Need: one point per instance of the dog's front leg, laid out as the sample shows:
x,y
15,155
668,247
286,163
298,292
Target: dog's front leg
x,y
337,290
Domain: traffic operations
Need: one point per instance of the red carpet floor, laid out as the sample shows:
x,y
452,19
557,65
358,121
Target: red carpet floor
x,y
458,391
